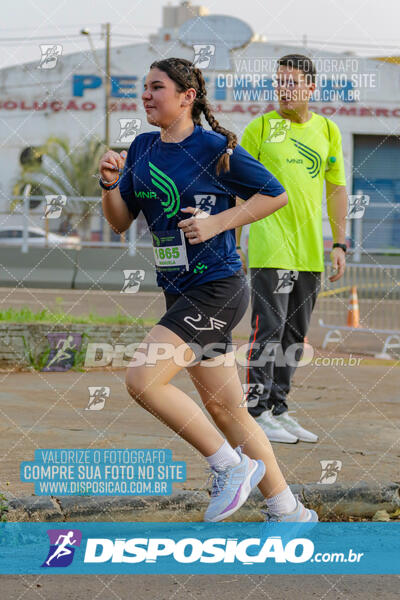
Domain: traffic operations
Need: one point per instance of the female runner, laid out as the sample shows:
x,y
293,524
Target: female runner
x,y
185,180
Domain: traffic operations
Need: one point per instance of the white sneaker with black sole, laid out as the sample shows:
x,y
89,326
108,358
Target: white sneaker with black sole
x,y
293,427
274,431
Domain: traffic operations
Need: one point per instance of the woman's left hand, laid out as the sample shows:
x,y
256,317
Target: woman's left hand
x,y
201,226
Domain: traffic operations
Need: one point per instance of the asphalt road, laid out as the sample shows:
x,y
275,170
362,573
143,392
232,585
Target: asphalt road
x,y
200,587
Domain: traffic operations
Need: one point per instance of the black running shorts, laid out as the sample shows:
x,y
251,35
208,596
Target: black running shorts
x,y
204,316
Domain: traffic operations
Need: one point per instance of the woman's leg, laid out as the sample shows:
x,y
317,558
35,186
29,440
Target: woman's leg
x,y
149,386
221,392
234,473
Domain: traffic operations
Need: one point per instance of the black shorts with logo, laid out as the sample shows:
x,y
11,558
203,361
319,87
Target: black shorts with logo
x,y
204,316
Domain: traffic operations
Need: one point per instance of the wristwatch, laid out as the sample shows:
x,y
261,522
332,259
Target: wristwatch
x,y
342,246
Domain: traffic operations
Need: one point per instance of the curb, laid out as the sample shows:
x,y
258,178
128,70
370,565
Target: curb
x,y
330,501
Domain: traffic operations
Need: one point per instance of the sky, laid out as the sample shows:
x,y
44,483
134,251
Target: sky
x,y
366,27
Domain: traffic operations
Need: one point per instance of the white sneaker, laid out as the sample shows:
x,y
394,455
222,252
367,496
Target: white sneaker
x,y
274,430
293,427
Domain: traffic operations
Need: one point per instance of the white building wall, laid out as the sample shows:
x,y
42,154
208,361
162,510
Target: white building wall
x,y
22,86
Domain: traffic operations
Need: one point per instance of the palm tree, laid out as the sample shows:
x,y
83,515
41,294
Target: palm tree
x,y
65,170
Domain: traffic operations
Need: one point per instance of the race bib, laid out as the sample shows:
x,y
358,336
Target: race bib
x,y
169,249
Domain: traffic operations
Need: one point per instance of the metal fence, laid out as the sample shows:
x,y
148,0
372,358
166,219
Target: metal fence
x,y
377,284
84,220
378,290
377,232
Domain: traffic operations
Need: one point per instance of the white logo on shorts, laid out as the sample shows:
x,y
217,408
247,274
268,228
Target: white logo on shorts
x,y
213,323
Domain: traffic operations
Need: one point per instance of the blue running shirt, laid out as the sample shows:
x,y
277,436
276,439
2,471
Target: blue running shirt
x,y
161,178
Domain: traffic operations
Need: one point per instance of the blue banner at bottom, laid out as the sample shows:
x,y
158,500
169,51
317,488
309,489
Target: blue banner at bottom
x,y
199,548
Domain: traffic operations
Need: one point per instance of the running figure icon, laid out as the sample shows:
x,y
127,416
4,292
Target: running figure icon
x,y
62,542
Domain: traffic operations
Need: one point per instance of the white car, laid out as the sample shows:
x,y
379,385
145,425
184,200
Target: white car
x,y
13,236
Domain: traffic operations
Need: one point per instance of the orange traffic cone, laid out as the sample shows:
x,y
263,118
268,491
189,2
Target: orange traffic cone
x,y
353,313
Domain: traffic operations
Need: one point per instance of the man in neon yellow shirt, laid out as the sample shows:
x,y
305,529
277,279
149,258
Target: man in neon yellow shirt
x,y
286,255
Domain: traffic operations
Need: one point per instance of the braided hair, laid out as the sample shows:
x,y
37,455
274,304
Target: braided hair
x,y
186,76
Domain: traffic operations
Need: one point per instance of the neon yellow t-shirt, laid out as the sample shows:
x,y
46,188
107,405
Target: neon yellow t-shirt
x,y
301,156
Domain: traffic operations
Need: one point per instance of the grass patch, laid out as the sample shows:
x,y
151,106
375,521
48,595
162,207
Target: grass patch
x,y
38,356
26,315
3,508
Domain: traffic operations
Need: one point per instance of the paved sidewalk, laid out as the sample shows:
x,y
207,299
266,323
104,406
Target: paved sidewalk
x,y
354,410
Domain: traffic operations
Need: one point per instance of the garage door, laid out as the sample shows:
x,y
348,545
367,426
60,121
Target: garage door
x,y
376,173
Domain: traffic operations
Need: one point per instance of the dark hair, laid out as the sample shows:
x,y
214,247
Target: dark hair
x,y
186,76
301,62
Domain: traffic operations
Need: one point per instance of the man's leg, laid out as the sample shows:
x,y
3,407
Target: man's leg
x,y
268,316
301,303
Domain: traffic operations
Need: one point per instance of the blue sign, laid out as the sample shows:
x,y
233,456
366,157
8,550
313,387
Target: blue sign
x,y
103,472
225,87
81,83
200,548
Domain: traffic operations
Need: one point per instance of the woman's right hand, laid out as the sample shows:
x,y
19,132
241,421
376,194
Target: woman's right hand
x,y
111,163
243,259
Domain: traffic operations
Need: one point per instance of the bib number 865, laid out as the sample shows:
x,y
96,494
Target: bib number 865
x,y
171,252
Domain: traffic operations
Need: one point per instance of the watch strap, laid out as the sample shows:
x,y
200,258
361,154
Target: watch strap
x,y
342,246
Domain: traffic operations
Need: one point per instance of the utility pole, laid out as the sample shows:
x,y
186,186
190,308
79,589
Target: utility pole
x,y
107,90
107,87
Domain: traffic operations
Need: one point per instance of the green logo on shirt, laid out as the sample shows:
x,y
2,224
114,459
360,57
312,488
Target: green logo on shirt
x,y
167,186
315,159
156,239
145,195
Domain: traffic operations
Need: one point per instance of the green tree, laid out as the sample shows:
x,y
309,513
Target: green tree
x,y
59,168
